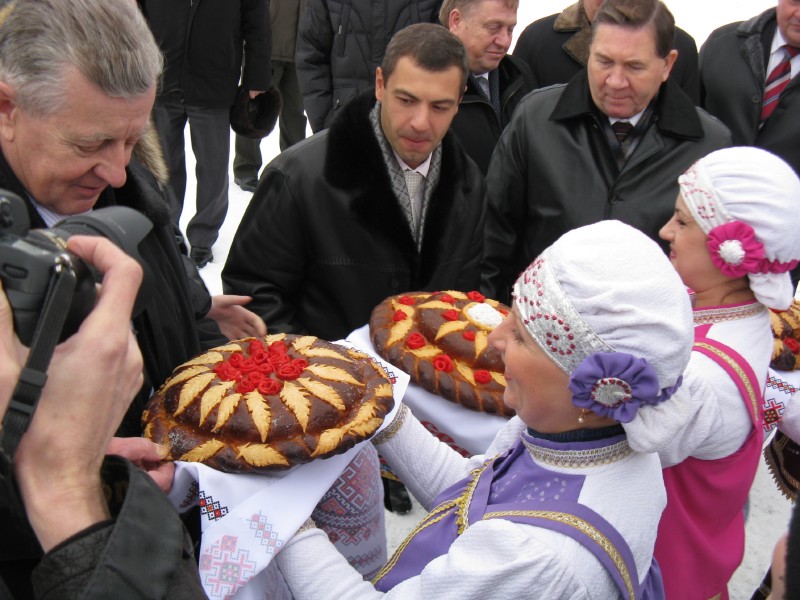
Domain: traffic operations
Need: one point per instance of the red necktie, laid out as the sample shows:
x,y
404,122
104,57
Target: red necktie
x,y
777,81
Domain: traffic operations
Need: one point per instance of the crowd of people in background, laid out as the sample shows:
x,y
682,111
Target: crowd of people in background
x,y
604,163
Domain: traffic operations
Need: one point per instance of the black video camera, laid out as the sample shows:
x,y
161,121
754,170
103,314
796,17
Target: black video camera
x,y
30,259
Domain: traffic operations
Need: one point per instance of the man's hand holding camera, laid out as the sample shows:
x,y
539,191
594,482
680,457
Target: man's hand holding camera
x,y
92,378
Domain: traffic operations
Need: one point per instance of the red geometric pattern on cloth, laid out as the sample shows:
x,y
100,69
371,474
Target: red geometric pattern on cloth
x,y
442,436
210,508
226,567
351,513
773,411
263,531
777,80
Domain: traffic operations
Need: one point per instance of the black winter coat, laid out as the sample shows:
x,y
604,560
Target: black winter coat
x,y
144,553
733,64
340,43
553,171
476,123
557,47
324,239
204,43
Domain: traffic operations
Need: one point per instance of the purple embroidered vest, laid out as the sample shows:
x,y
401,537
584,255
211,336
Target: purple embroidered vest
x,y
508,487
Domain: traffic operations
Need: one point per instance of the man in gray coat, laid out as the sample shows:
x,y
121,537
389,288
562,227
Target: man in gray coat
x,y
610,144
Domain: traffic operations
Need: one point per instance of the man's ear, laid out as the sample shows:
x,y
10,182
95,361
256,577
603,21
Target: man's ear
x,y
8,107
379,84
669,62
454,19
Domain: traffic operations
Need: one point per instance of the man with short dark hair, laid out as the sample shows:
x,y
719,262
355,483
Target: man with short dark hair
x,y
332,229
496,83
556,48
610,144
383,202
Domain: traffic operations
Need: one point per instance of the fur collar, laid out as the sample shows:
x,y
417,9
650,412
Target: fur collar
x,y
354,163
573,18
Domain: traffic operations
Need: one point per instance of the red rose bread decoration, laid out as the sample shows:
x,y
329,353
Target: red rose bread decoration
x,y
441,340
264,404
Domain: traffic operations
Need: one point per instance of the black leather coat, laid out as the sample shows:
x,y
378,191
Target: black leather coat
x,y
553,171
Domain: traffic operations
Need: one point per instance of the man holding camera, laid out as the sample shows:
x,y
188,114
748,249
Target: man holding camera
x,y
77,84
132,545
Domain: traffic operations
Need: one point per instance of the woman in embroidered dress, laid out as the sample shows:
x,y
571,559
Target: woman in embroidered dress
x,y
560,506
733,240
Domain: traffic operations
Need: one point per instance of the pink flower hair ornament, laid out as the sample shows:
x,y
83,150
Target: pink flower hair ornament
x,y
616,384
736,251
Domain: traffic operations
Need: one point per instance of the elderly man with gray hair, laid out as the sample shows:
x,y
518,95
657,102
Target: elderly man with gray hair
x,y
77,83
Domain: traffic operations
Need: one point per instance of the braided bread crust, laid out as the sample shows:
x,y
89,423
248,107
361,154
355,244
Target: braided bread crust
x,y
441,340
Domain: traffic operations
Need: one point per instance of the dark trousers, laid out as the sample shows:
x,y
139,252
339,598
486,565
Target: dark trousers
x,y
292,122
209,129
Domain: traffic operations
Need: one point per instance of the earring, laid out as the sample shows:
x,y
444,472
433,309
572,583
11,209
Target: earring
x,y
582,416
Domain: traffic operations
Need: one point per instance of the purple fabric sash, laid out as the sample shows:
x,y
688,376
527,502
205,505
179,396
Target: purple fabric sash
x,y
467,502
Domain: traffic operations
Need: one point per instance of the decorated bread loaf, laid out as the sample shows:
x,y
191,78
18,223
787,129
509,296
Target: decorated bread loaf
x,y
441,340
786,338
263,404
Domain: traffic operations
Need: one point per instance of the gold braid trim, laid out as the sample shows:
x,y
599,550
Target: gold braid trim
x,y
584,527
460,504
739,371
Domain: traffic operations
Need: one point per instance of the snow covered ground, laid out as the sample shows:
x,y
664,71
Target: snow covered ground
x,y
769,511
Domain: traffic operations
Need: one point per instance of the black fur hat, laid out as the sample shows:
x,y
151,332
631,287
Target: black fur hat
x,y
255,118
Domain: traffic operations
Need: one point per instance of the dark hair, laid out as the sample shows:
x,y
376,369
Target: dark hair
x,y
635,14
430,46
449,6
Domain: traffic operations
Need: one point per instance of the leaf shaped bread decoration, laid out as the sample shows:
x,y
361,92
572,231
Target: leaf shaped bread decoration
x,y
333,374
481,342
450,327
322,353
274,337
365,422
229,348
499,378
259,410
491,302
465,371
399,331
356,354
384,390
203,451
426,351
261,455
303,343
456,294
192,389
436,304
322,391
209,358
409,310
328,441
212,397
294,397
183,376
226,409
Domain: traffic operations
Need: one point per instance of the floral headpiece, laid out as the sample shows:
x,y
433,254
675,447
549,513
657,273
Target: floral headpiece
x,y
733,244
607,382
